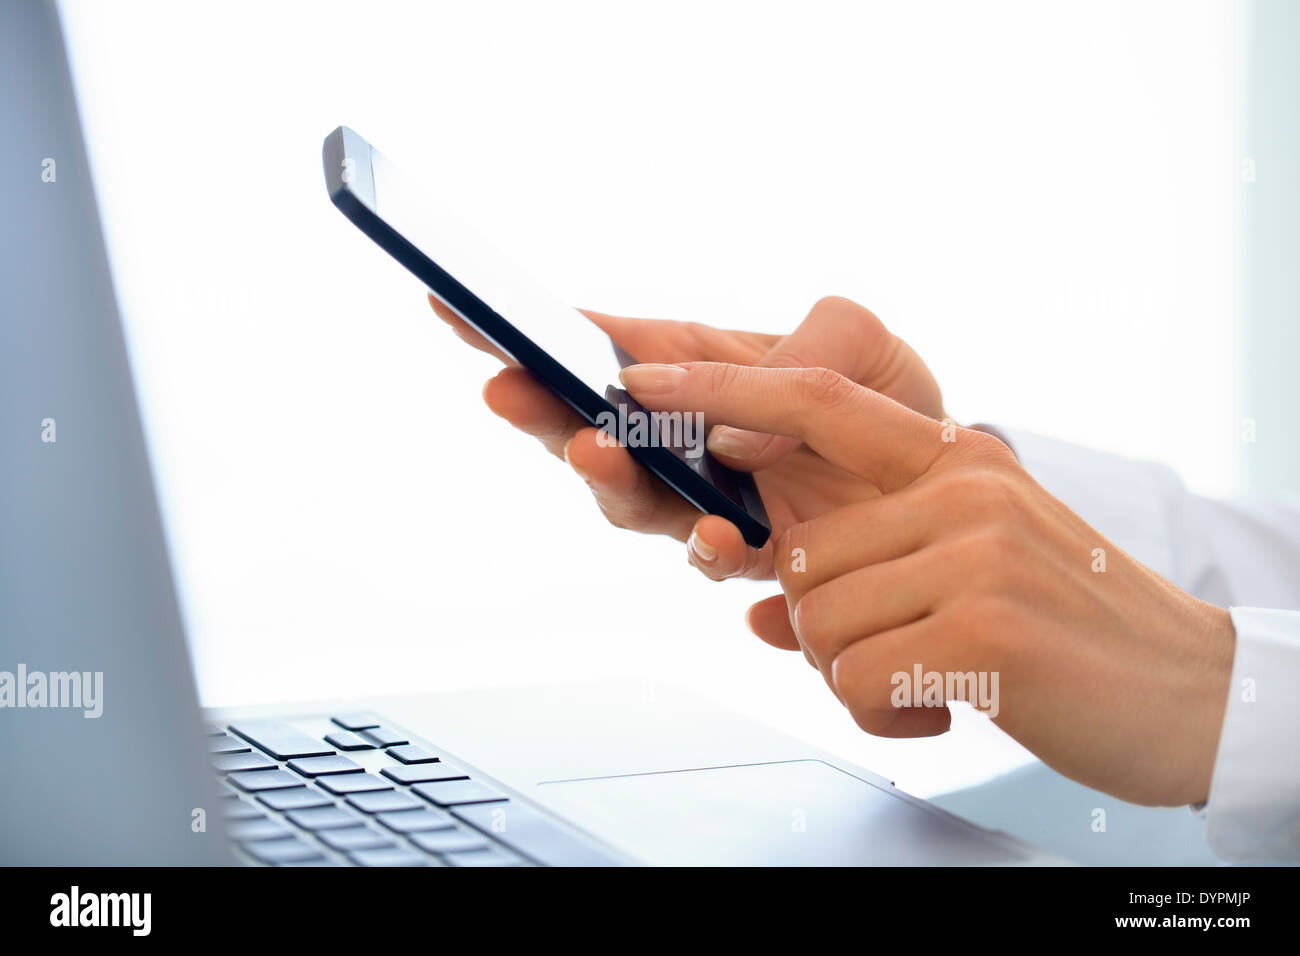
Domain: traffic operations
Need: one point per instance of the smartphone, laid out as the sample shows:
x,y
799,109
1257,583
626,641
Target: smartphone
x,y
529,325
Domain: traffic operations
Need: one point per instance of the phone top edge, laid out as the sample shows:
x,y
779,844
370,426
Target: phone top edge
x,y
346,159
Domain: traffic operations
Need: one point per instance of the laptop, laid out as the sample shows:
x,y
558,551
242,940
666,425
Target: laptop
x,y
108,758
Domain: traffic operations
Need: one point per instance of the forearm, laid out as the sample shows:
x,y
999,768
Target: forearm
x,y
1239,554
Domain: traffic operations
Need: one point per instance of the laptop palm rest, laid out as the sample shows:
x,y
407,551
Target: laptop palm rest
x,y
799,812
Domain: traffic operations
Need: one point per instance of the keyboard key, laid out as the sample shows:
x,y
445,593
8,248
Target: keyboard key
x,y
423,773
479,858
299,798
359,721
317,861
452,793
292,850
253,781
356,838
347,740
532,834
213,730
384,801
324,818
263,829
384,737
322,766
226,744
279,739
397,856
230,763
232,808
415,821
411,753
345,783
449,841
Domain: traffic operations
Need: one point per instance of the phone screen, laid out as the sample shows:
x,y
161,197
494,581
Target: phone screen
x,y
561,331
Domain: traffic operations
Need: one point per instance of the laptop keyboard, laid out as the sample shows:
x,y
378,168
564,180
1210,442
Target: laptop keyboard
x,y
362,794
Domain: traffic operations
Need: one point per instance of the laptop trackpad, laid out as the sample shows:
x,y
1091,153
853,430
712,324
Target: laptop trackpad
x,y
801,812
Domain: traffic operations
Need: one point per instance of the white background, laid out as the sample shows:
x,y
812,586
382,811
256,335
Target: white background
x,y
1042,198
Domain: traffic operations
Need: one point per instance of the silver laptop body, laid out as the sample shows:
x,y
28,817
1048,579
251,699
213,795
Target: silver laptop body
x,y
105,756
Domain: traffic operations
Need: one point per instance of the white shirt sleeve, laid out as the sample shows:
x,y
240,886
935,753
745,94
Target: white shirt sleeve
x,y
1243,555
1254,809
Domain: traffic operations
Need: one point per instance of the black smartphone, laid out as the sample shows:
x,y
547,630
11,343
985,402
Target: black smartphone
x,y
522,320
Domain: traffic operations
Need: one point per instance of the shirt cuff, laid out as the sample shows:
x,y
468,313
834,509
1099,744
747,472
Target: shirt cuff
x,y
1253,813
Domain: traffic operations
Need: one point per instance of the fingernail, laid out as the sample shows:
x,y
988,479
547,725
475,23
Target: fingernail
x,y
736,443
652,379
701,548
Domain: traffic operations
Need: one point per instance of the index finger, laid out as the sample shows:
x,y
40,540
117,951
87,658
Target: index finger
x,y
849,425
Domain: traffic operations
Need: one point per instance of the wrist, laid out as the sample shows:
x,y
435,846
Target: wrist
x,y
1218,640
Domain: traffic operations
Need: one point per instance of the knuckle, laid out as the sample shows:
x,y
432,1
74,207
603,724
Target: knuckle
x,y
873,722
723,376
1004,493
783,356
989,491
810,621
1000,553
837,310
987,616
631,513
987,555
995,543
832,303
864,687
957,492
837,306
871,710
823,387
982,446
617,519
785,546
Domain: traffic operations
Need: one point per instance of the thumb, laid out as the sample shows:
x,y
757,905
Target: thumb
x,y
849,425
837,334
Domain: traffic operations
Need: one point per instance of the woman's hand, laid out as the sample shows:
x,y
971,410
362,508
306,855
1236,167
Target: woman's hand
x,y
964,566
796,483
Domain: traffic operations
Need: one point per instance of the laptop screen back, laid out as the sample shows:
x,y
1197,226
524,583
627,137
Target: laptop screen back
x,y
101,746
